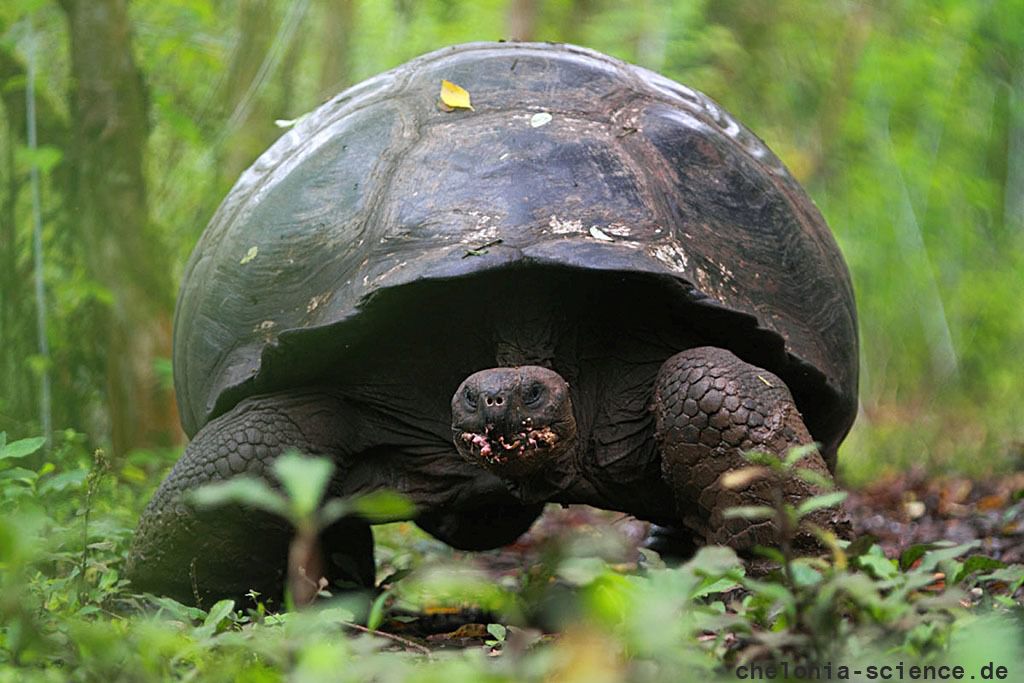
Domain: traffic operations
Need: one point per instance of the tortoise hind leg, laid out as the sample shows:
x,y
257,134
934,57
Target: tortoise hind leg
x,y
710,407
207,554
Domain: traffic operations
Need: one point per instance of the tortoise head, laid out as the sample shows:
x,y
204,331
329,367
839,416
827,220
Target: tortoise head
x,y
514,421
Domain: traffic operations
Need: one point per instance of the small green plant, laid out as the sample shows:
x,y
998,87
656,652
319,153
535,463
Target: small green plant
x,y
304,484
66,614
498,633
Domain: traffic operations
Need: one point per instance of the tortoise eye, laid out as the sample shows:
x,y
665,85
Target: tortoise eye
x,y
533,394
469,398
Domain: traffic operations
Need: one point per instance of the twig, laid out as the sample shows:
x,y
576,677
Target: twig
x,y
482,249
391,636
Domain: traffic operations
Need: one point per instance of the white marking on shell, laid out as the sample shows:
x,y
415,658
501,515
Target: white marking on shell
x,y
485,233
563,227
540,119
732,129
618,230
317,301
386,274
596,233
702,280
671,255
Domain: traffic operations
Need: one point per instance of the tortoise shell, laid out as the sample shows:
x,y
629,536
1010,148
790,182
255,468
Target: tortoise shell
x,y
569,159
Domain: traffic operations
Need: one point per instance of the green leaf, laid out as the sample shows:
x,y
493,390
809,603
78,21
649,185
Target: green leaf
x,y
861,545
977,563
19,474
711,585
879,567
751,512
769,460
21,448
43,157
825,500
176,609
798,453
247,491
220,611
912,554
773,554
333,510
383,506
376,616
715,560
335,615
815,478
933,558
304,481
581,571
63,481
1012,576
804,575
498,631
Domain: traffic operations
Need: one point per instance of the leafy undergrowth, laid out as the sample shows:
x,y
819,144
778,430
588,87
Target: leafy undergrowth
x,y
575,599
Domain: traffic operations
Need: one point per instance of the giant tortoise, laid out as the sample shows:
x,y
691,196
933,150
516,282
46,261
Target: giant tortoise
x,y
595,287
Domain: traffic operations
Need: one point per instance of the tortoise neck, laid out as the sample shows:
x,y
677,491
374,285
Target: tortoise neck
x,y
528,330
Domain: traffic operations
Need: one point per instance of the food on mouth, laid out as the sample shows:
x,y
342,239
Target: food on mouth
x,y
499,450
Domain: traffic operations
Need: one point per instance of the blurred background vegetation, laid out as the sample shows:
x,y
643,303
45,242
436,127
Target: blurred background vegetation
x,y
904,120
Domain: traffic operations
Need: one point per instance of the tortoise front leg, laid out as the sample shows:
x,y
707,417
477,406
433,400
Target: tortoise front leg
x,y
189,553
710,407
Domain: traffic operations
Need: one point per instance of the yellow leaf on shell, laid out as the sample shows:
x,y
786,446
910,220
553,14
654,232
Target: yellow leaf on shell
x,y
454,96
249,255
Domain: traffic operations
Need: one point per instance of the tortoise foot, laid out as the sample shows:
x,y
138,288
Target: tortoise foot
x,y
710,408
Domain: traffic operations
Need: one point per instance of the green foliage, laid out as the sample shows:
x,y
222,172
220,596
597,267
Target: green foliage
x,y
304,482
66,613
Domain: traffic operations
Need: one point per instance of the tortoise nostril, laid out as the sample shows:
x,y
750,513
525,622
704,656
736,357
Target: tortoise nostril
x,y
494,400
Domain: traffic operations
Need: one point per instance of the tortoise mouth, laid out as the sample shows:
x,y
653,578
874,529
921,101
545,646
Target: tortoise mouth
x,y
515,454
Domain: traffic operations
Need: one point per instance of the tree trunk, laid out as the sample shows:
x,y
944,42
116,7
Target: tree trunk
x,y
249,126
522,20
109,122
336,68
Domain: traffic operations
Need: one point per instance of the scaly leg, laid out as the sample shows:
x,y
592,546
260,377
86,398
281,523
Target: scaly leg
x,y
223,552
711,407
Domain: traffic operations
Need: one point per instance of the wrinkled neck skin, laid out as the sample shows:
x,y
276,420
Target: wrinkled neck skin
x,y
525,335
525,339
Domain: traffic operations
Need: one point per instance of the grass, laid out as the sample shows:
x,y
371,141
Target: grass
x,y
956,437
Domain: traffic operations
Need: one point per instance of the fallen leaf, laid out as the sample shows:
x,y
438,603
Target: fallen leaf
x,y
540,119
598,234
996,501
454,96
